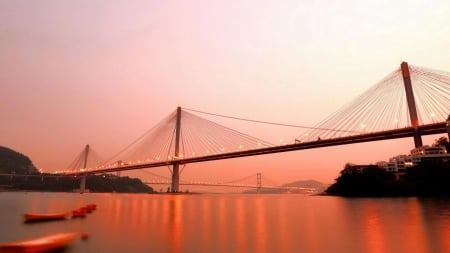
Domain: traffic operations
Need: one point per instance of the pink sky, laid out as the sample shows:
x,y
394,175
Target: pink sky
x,y
103,72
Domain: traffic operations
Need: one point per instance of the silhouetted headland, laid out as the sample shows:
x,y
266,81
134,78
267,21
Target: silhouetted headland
x,y
19,174
426,172
426,179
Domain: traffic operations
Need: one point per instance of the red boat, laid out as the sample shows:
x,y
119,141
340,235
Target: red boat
x,y
78,213
91,207
33,217
41,244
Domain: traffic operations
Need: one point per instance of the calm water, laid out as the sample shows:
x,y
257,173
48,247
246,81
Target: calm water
x,y
236,223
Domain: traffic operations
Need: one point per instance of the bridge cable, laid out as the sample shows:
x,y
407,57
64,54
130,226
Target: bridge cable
x,y
265,122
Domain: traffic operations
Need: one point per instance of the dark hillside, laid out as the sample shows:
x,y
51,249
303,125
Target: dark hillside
x,y
15,163
426,179
27,178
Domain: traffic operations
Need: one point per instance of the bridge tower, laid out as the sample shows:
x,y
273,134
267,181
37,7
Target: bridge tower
x,y
411,104
83,176
258,182
448,127
176,165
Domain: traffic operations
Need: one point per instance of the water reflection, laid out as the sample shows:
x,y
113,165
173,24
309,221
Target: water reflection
x,y
203,214
176,227
374,234
260,229
238,223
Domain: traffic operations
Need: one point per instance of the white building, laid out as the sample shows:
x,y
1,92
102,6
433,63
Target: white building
x,y
427,150
400,163
437,153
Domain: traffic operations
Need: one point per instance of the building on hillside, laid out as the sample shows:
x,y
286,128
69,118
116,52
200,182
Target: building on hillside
x,y
427,153
400,163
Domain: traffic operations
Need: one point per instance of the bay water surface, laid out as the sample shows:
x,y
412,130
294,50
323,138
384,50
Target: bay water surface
x,y
234,222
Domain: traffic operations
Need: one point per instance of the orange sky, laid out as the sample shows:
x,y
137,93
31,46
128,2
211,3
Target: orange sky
x,y
103,72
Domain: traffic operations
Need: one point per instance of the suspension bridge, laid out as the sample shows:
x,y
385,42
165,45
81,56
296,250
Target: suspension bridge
x,y
254,181
409,102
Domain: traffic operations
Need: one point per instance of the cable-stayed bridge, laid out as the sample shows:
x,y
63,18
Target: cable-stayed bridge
x,y
409,102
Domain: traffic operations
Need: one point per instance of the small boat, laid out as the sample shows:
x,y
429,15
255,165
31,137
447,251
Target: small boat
x,y
83,209
91,207
78,213
34,217
41,244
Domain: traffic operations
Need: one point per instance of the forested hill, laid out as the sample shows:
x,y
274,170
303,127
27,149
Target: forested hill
x,y
430,178
14,162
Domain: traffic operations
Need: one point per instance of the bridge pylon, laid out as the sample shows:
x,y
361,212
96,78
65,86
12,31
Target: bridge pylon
x,y
176,166
448,127
258,182
83,176
411,104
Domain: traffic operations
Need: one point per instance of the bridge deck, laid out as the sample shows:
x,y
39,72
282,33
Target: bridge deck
x,y
429,129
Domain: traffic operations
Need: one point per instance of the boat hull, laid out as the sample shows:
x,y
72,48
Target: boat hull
x,y
41,244
36,217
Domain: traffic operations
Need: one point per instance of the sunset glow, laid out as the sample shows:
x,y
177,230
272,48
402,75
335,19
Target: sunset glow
x,y
104,72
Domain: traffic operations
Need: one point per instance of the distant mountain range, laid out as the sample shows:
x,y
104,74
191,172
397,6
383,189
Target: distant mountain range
x,y
306,184
298,187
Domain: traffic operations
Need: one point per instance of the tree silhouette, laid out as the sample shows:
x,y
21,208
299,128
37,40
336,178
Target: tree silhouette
x,y
442,141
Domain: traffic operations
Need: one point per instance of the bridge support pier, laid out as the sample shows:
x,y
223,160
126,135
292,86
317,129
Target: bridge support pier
x,y
83,184
176,166
83,176
411,104
417,138
175,178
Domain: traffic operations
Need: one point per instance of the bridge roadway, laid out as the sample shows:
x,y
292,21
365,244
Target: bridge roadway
x,y
46,175
429,129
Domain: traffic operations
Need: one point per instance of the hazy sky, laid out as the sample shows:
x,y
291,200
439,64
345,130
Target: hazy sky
x,y
103,72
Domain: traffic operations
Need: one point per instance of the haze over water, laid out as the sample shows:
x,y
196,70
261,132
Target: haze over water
x,y
236,223
104,72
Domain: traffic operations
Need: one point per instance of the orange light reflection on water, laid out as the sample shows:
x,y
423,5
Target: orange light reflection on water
x,y
312,231
134,211
223,227
445,236
258,223
281,222
144,212
205,217
173,210
407,232
414,228
373,230
260,226
117,210
240,228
